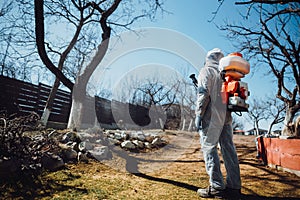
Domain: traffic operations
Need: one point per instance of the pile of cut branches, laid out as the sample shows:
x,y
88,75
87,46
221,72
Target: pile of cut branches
x,y
19,151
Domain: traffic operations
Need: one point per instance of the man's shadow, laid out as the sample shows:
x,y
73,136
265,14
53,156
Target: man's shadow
x,y
132,168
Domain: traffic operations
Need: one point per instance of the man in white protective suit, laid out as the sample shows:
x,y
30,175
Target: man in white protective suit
x,y
214,124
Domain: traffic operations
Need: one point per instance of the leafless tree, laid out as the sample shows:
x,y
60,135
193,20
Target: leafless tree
x,y
274,111
100,17
152,93
157,97
17,48
274,41
4,9
187,99
257,113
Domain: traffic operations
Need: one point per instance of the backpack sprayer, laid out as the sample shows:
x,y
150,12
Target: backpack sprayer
x,y
234,92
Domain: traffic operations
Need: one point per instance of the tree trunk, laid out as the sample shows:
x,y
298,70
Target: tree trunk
x,y
77,108
49,103
270,129
297,127
288,129
256,128
40,42
75,114
183,124
83,113
161,123
191,125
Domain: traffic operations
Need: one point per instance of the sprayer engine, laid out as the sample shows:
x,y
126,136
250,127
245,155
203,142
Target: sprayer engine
x,y
234,92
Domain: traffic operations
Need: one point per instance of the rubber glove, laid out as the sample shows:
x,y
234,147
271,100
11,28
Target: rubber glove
x,y
198,123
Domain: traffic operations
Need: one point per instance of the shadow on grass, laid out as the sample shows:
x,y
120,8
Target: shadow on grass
x,y
132,167
28,186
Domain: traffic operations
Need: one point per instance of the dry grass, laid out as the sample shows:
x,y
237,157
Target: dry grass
x,y
174,175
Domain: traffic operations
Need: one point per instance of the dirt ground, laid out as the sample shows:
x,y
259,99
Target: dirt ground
x,y
173,172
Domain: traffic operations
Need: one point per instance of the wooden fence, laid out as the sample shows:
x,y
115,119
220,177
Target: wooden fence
x,y
21,98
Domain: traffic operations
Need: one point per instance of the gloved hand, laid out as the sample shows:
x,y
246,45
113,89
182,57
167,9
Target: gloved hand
x,y
198,123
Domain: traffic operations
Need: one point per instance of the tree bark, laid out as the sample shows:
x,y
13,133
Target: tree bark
x,y
78,106
270,128
79,92
40,41
288,129
183,124
256,127
191,125
49,103
297,127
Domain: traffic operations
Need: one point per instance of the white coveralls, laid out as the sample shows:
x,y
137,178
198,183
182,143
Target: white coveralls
x,y
215,126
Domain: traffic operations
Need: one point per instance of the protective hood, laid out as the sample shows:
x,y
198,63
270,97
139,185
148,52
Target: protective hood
x,y
213,57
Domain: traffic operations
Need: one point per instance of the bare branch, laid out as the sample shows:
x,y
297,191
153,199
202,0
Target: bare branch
x,y
5,8
265,2
216,12
40,40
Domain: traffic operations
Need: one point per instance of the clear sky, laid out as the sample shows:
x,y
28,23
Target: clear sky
x,y
188,22
191,18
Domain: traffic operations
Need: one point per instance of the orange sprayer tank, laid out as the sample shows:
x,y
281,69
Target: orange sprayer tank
x,y
234,66
234,92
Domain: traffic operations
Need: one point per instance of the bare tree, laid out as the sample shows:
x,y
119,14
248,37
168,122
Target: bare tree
x,y
4,9
256,113
157,97
275,42
274,111
17,48
79,23
101,16
187,99
152,93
